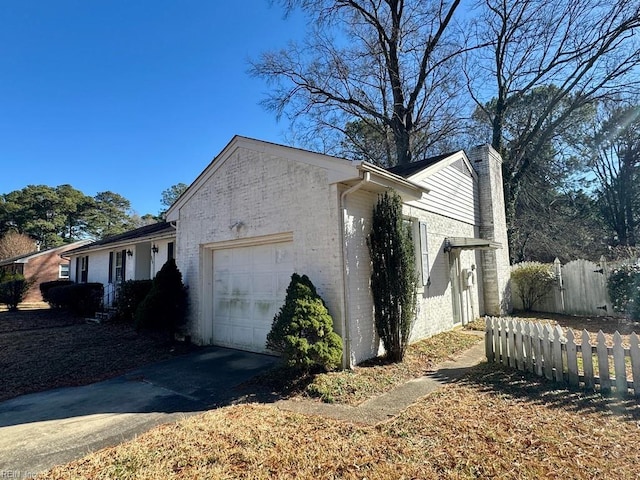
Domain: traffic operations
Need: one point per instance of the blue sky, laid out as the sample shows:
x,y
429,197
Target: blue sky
x,y
130,96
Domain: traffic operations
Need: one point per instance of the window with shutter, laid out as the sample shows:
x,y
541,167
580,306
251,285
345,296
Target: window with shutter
x,y
424,254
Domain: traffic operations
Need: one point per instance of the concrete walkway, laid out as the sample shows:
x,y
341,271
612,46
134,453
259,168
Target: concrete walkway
x,y
390,404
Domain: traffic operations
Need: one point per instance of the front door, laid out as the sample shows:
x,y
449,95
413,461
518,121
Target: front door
x,y
456,290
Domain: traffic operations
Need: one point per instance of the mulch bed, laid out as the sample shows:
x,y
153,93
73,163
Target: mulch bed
x,y
44,349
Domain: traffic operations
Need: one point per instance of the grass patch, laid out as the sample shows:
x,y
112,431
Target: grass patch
x,y
492,424
378,376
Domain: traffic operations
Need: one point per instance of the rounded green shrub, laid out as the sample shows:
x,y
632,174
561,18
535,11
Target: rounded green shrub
x,y
302,331
623,286
533,280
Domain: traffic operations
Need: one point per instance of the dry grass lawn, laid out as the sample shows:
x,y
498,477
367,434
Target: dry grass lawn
x,y
42,349
493,424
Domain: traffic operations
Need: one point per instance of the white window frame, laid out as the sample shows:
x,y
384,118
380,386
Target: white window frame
x,y
62,268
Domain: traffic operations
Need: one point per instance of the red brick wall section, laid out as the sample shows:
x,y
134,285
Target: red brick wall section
x,y
43,268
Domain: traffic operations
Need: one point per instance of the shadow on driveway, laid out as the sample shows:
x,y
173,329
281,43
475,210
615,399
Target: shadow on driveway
x,y
40,430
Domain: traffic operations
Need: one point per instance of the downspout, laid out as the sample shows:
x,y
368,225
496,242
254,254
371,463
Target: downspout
x,y
346,356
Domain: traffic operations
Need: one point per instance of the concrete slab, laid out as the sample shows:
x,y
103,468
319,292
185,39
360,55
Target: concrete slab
x,y
40,430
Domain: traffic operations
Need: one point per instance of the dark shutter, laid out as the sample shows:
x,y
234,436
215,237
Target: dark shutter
x,y
77,279
85,275
124,265
110,267
170,253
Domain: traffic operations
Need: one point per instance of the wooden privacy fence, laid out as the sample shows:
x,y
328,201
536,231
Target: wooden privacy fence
x,y
546,351
580,288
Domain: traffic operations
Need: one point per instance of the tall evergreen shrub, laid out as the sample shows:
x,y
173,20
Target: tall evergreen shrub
x,y
165,306
393,275
302,331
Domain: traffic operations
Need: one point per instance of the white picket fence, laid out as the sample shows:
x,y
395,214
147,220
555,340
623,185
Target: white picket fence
x,y
546,351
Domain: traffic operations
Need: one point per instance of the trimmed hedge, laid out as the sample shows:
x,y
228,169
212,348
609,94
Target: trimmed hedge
x,y
46,286
78,298
130,295
13,288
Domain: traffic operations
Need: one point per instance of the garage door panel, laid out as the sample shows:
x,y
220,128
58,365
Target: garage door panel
x,y
249,288
263,284
241,284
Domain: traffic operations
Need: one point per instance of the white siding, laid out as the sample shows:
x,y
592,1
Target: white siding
x,y
453,193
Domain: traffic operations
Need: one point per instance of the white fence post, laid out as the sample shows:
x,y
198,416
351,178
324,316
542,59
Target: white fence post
x,y
557,354
587,360
619,365
572,360
634,353
603,363
537,347
488,339
546,352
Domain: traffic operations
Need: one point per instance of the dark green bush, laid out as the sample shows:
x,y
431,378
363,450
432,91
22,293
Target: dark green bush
x,y
13,288
78,298
165,306
130,295
46,286
302,331
623,285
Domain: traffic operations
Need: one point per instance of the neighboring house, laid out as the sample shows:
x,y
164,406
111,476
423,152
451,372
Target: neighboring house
x,y
134,255
43,266
260,212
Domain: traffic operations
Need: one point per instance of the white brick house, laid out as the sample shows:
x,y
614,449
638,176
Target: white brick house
x,y
134,255
260,212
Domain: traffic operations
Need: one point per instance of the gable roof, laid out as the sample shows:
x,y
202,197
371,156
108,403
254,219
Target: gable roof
x,y
339,168
155,230
410,168
25,257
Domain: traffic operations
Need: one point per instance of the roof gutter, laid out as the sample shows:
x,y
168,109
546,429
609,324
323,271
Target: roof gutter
x,y
387,179
346,352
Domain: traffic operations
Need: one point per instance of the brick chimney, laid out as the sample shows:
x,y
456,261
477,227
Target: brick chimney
x,y
496,271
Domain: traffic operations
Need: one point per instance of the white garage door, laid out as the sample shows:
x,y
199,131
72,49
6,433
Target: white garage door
x,y
249,287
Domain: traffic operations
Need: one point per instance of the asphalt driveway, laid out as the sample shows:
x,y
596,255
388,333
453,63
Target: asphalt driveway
x,y
40,430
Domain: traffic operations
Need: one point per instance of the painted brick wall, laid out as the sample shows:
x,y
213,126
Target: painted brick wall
x,y
435,312
269,195
493,226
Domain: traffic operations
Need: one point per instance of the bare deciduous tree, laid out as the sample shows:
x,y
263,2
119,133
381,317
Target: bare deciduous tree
x,y
586,50
13,244
385,65
615,160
